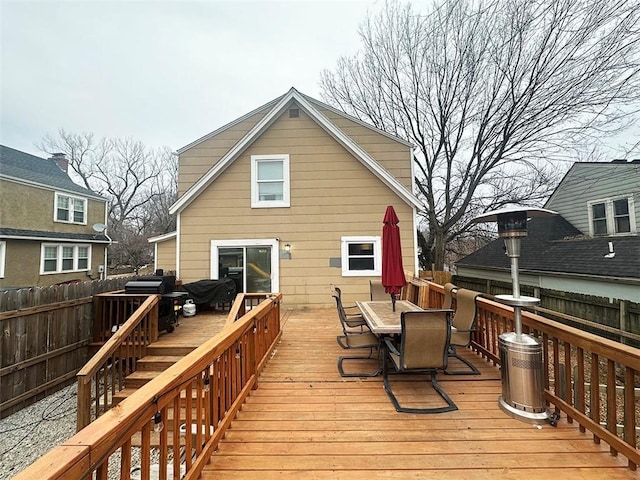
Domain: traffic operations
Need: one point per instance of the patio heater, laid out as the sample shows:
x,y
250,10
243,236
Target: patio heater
x,y
520,354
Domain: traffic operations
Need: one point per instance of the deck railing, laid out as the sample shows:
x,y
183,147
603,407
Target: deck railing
x,y
103,376
195,399
573,361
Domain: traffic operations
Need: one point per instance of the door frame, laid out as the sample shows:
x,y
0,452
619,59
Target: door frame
x,y
273,243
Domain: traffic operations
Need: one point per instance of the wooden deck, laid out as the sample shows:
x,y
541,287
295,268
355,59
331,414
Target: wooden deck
x,y
305,421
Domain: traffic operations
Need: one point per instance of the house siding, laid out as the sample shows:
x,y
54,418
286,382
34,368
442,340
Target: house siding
x,y
587,182
165,257
196,161
332,195
38,212
22,265
395,157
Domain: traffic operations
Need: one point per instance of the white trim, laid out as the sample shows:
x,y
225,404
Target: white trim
x,y
273,243
163,237
54,239
293,95
377,256
286,186
241,119
358,121
59,258
416,264
178,230
72,199
610,215
3,257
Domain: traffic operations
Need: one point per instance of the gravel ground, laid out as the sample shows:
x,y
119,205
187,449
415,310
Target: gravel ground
x,y
28,434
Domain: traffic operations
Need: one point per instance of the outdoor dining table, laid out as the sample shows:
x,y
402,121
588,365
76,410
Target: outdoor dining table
x,y
381,318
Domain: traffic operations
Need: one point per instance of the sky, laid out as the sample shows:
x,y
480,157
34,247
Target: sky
x,y
161,72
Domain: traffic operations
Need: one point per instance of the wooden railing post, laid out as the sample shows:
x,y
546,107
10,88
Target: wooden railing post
x,y
83,417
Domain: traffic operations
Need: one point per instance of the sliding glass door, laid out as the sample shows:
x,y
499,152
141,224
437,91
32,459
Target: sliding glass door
x,y
252,264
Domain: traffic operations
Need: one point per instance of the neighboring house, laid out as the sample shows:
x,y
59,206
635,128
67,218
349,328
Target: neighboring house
x,y
592,247
47,233
290,197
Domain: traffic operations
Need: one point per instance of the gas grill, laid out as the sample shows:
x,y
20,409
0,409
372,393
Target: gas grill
x,y
160,285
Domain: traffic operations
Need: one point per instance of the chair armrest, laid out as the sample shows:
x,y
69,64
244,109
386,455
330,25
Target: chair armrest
x,y
355,310
437,310
454,329
392,348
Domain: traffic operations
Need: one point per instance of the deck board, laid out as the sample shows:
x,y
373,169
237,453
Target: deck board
x,y
305,421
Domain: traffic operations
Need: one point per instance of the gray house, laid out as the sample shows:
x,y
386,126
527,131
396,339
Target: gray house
x,y
592,247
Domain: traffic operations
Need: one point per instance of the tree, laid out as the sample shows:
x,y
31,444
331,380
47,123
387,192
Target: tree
x,y
492,94
139,183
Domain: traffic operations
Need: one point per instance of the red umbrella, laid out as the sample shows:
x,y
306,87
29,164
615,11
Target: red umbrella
x,y
392,270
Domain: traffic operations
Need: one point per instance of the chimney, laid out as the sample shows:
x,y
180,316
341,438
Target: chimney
x,y
61,160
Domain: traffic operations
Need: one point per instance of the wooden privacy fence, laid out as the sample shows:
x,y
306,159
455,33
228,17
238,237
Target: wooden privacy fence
x,y
615,319
45,333
200,393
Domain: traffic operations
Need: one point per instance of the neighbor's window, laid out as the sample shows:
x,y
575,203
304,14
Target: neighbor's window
x,y
64,258
70,209
3,256
613,216
361,256
621,215
269,181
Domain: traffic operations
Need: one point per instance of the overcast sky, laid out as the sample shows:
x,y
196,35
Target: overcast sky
x,y
165,73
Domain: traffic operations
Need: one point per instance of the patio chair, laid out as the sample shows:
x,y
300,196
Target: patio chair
x,y
355,340
423,348
376,291
463,325
352,316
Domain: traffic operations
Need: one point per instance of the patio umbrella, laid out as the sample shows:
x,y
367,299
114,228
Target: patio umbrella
x,y
392,270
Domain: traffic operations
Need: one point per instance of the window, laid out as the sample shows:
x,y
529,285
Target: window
x,y
361,256
613,216
269,181
3,255
65,258
70,209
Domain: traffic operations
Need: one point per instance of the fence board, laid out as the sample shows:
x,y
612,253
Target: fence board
x,y
44,338
617,315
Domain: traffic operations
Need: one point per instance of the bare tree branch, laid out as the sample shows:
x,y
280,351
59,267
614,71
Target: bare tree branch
x,y
496,95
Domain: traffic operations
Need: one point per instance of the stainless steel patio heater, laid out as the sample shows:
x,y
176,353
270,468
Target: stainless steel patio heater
x,y
520,354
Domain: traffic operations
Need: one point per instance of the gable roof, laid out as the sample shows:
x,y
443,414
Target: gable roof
x,y
276,108
26,168
623,169
553,245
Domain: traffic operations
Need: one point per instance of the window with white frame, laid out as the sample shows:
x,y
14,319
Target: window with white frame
x,y
3,256
612,216
62,258
269,181
361,256
70,209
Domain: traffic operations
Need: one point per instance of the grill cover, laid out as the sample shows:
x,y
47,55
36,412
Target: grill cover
x,y
211,291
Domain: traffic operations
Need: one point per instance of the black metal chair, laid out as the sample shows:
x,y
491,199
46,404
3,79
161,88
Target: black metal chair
x,y
423,348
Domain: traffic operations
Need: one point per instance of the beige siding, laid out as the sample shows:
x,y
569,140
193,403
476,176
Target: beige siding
x,y
332,195
196,161
32,208
394,156
166,255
